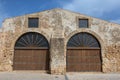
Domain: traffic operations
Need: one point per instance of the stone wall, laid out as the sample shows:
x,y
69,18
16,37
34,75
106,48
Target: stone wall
x,y
107,33
58,26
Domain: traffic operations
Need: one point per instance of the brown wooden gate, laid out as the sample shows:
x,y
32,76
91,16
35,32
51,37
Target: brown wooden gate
x,y
31,53
31,59
83,54
79,59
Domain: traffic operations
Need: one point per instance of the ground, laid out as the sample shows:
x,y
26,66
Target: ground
x,y
68,76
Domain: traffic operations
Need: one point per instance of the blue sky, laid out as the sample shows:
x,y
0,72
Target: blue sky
x,y
103,9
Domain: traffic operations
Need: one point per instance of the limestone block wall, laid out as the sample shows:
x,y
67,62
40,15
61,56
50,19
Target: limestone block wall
x,y
108,34
58,26
3,57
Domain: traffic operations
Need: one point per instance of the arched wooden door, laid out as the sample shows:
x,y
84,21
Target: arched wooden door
x,y
31,52
83,54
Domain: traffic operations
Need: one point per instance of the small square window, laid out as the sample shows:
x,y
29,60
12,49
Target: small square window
x,y
83,23
33,22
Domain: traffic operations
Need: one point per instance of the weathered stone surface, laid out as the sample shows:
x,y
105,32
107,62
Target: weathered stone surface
x,y
58,26
58,59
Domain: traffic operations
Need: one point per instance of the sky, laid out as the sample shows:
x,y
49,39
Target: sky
x,y
103,9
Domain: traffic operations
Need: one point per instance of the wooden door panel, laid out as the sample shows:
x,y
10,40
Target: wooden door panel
x,y
31,59
83,60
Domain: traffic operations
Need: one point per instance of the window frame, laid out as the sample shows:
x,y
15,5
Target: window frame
x,y
87,24
83,17
33,26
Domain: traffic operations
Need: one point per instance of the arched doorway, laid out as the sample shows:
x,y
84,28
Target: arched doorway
x,y
83,53
31,52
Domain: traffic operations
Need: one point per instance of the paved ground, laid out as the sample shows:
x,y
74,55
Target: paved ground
x,y
68,76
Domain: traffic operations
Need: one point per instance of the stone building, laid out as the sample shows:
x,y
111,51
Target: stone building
x,y
59,41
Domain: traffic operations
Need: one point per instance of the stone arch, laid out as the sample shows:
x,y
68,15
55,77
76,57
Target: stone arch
x,y
102,45
87,31
80,37
16,37
39,42
28,37
20,34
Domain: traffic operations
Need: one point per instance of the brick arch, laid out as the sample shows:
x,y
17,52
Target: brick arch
x,y
92,33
